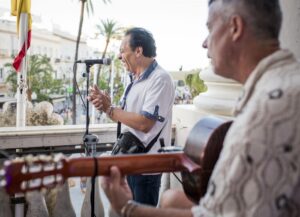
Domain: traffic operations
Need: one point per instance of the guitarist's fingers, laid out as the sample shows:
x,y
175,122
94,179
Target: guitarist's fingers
x,y
112,181
114,188
104,180
115,176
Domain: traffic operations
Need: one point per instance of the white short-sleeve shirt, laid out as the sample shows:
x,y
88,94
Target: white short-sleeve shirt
x,y
152,95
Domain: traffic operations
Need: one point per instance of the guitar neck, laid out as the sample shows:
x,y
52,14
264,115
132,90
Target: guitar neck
x,y
130,164
34,174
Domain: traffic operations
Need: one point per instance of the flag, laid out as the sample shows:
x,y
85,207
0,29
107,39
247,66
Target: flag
x,y
17,8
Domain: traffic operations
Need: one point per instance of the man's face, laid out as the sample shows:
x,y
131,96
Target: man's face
x,y
126,55
217,41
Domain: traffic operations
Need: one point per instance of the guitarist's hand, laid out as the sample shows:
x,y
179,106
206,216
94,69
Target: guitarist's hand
x,y
116,189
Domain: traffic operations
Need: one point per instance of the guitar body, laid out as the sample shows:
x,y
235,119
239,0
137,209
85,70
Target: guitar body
x,y
203,146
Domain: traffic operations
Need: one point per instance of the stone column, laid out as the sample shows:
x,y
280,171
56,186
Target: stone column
x,y
218,100
221,94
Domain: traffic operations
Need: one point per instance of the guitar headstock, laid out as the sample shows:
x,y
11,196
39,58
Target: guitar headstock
x,y
33,173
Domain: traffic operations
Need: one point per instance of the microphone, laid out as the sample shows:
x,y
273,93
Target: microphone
x,y
104,61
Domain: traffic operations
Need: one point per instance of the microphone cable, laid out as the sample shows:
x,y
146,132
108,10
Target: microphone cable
x,y
77,87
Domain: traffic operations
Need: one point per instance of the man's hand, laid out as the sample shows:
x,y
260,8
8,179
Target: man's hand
x,y
116,189
100,99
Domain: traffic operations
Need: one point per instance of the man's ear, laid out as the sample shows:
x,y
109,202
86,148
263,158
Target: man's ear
x,y
237,26
139,51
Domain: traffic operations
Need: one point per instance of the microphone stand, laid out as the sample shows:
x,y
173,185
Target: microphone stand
x,y
90,140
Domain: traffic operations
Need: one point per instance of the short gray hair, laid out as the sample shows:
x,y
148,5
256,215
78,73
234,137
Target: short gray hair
x,y
263,16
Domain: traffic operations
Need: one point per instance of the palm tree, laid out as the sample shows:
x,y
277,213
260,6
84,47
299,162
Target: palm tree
x,y
90,10
39,78
110,30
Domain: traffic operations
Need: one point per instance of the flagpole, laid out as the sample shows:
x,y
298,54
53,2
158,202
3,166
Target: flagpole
x,y
21,92
22,75
21,9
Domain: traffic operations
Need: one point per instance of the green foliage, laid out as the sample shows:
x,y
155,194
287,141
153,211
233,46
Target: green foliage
x,y
103,84
195,83
110,30
104,81
39,78
118,88
118,84
118,94
12,77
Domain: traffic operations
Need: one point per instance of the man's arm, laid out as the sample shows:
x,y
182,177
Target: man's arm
x,y
148,211
119,194
133,120
102,102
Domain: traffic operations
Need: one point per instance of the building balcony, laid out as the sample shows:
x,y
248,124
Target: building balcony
x,y
68,139
53,139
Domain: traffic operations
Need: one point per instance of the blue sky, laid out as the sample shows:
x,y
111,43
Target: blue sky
x,y
177,25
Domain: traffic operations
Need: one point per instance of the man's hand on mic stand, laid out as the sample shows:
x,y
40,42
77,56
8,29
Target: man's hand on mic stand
x,y
100,99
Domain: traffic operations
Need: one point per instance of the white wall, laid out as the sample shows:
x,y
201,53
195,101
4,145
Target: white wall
x,y
290,32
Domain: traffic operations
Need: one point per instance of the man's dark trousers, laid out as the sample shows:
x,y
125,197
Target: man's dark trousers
x,y
145,188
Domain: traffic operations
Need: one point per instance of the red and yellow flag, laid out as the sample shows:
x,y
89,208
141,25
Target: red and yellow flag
x,y
17,8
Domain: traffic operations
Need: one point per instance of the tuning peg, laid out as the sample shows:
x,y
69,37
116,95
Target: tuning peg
x,y
2,178
3,183
28,159
58,157
7,163
45,158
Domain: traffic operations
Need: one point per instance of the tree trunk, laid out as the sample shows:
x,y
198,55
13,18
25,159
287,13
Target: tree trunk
x,y
100,66
29,94
75,59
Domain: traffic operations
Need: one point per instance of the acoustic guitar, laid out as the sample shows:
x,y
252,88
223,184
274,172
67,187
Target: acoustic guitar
x,y
195,162
204,145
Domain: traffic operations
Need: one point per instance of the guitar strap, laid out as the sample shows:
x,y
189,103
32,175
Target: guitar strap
x,y
150,145
123,104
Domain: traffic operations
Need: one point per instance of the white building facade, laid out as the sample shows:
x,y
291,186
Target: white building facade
x,y
57,45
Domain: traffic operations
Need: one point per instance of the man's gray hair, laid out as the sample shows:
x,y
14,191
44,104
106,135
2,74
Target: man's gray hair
x,y
264,17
